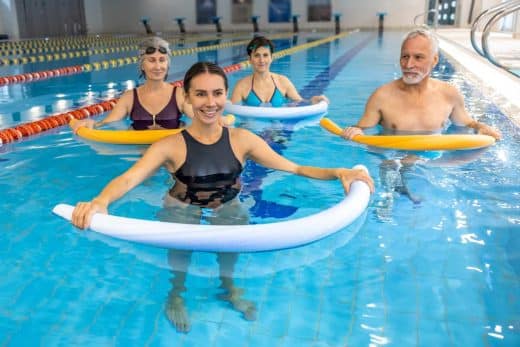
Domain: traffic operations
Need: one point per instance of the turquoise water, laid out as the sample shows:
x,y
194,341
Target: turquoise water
x,y
441,272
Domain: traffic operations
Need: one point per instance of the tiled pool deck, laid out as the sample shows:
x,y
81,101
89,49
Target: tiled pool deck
x,y
499,84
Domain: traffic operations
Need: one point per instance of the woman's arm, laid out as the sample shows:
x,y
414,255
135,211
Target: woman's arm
x,y
154,157
292,93
240,90
289,89
259,151
120,110
346,176
317,98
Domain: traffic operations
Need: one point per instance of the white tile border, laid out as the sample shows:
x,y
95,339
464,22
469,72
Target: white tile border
x,y
499,85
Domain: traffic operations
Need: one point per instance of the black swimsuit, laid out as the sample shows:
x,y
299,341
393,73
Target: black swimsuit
x,y
210,176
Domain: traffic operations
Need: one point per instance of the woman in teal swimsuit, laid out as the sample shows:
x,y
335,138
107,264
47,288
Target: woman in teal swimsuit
x,y
263,87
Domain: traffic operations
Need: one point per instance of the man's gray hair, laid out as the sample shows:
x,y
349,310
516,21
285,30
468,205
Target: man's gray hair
x,y
434,42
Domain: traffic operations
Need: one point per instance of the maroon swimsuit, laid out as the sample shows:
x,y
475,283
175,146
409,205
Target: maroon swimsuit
x,y
168,118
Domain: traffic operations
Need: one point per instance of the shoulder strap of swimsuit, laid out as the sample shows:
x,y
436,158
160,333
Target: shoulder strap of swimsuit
x,y
136,104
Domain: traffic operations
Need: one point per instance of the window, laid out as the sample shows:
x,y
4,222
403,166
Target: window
x,y
447,11
279,11
241,11
206,11
318,10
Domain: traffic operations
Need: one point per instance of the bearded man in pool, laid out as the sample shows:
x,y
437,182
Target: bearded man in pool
x,y
415,103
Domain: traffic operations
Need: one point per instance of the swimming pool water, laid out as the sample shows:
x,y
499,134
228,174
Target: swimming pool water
x,y
442,272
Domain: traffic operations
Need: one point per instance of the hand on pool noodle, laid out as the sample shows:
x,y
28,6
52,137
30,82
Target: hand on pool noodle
x,y
432,142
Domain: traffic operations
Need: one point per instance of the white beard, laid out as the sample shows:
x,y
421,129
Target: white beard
x,y
415,78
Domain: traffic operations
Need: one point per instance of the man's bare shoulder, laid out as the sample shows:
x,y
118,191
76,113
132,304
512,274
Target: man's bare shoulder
x,y
386,89
447,89
445,86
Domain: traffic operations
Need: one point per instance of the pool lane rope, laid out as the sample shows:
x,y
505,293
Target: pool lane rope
x,y
28,129
53,45
98,65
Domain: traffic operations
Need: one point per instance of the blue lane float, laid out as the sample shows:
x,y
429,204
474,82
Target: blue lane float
x,y
233,238
279,113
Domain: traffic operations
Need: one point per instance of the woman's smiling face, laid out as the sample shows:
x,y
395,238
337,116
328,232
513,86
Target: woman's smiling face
x,y
261,59
207,95
155,66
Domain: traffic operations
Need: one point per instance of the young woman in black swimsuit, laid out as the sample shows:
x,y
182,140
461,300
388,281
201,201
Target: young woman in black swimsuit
x,y
207,160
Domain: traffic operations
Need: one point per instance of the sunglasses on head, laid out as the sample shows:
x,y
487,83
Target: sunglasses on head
x,y
152,50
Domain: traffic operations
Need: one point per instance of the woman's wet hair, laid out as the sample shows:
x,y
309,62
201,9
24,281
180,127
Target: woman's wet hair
x,y
200,68
149,46
259,41
430,36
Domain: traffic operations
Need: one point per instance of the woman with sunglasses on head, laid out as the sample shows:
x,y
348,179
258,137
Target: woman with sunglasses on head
x,y
156,104
263,87
207,161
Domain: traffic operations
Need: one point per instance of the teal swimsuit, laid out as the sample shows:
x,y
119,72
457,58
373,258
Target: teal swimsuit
x,y
277,99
